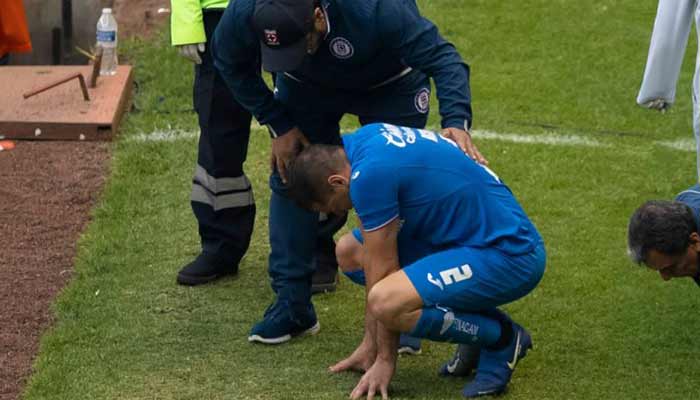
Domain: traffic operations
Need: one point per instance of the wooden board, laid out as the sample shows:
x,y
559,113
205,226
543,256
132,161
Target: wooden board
x,y
61,113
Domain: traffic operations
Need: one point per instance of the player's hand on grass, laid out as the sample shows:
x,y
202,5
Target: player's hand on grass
x,y
464,141
376,380
360,360
285,148
191,51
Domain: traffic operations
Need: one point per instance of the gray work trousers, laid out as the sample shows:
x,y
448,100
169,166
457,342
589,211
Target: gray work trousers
x,y
674,19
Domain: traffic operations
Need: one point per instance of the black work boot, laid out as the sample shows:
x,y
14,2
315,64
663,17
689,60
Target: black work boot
x,y
325,277
463,363
204,269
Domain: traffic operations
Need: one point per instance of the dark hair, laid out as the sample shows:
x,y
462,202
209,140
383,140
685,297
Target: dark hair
x,y
661,225
308,174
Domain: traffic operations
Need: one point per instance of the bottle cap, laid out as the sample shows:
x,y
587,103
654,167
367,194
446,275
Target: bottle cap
x,y
106,11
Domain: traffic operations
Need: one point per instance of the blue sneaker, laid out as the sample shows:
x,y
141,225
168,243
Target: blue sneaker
x,y
463,363
409,345
496,366
282,322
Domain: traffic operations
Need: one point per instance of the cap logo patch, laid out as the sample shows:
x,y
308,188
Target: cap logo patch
x,y
271,38
341,48
422,100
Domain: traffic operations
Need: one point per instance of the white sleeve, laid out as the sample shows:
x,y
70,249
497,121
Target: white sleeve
x,y
668,42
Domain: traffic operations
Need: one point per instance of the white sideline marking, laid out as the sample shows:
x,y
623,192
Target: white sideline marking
x,y
679,144
163,136
547,139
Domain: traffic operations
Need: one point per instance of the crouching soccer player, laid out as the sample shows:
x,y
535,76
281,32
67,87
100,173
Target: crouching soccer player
x,y
443,243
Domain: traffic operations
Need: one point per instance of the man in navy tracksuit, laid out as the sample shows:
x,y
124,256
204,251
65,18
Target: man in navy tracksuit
x,y
370,58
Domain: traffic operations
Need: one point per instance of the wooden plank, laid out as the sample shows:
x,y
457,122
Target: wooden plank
x,y
57,111
52,131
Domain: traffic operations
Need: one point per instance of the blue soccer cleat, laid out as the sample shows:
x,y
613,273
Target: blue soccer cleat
x,y
496,366
463,363
282,322
409,345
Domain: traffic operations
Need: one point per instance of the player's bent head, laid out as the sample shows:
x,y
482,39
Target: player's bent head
x,y
308,175
660,225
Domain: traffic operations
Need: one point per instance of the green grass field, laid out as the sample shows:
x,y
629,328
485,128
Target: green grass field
x,y
603,328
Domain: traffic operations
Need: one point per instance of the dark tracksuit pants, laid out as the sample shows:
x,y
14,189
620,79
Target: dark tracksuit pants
x,y
318,111
222,197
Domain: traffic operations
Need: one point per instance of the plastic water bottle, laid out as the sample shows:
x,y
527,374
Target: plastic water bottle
x,y
107,40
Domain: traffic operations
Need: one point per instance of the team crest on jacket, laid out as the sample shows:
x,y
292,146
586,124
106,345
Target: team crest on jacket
x,y
422,100
341,48
271,38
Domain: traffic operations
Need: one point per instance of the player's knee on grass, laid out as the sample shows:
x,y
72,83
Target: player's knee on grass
x,y
348,252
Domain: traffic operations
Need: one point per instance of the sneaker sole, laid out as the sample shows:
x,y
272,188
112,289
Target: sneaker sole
x,y
323,288
190,280
409,351
285,338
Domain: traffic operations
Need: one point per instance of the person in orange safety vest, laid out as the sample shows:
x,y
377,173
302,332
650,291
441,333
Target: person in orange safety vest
x,y
14,33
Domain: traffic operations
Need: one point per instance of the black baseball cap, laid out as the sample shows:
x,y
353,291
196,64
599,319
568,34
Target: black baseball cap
x,y
281,27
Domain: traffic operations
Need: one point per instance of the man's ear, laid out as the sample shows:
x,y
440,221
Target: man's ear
x,y
695,241
337,180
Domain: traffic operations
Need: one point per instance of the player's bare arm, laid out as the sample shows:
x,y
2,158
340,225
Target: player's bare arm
x,y
380,258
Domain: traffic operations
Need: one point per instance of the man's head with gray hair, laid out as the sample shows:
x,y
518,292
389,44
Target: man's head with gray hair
x,y
663,235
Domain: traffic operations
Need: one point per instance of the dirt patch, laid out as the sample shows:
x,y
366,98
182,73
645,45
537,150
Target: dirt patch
x,y
46,191
140,17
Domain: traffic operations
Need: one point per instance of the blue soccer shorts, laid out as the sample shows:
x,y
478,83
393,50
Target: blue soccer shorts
x,y
467,278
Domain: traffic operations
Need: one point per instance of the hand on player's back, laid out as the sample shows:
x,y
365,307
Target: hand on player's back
x,y
464,141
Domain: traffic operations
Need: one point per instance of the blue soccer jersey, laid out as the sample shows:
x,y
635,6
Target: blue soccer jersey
x,y
442,197
691,197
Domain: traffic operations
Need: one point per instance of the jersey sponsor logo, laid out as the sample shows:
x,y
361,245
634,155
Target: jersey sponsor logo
x,y
271,38
341,48
400,136
429,135
355,175
450,276
422,100
393,135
